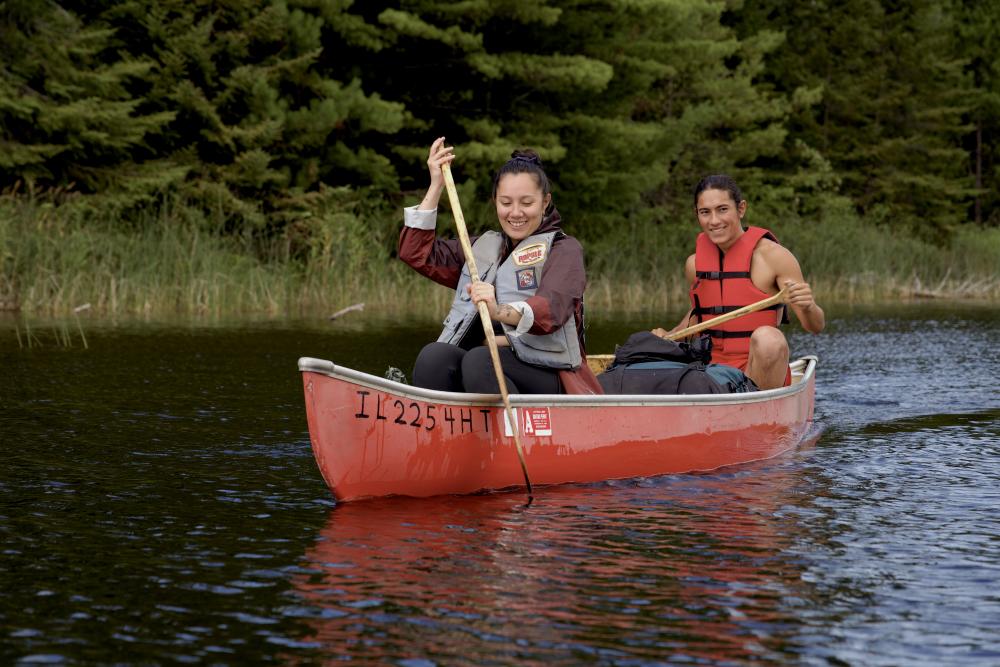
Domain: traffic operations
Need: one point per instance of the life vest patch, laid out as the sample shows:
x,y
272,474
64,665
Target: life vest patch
x,y
526,279
532,254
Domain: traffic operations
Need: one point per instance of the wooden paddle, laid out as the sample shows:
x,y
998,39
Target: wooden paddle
x,y
601,361
484,314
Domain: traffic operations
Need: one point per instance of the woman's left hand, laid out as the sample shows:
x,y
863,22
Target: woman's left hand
x,y
480,291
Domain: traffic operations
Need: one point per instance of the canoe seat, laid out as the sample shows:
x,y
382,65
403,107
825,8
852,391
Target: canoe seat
x,y
599,362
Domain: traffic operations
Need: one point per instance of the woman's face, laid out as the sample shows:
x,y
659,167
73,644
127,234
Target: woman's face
x,y
520,205
720,217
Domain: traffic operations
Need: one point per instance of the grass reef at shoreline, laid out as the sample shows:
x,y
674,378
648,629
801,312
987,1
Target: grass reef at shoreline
x,y
173,264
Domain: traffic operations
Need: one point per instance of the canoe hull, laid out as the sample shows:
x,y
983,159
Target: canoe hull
x,y
373,437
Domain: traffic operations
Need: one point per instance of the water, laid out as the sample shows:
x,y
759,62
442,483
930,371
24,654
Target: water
x,y
159,503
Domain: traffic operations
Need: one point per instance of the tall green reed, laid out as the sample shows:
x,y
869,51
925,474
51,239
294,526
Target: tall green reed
x,y
178,260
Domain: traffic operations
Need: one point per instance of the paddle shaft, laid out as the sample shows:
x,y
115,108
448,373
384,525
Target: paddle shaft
x,y
732,315
484,314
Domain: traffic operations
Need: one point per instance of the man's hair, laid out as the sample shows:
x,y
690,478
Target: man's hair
x,y
718,182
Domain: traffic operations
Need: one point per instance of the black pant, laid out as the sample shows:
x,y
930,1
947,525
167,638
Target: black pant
x,y
448,367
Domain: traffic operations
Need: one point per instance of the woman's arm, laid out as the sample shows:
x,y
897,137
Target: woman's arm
x,y
560,289
437,259
439,156
441,260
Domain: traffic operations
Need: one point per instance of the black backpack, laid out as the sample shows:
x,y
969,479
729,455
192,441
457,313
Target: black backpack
x,y
648,364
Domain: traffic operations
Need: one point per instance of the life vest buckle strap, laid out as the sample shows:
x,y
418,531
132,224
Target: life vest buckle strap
x,y
722,275
719,333
722,310
713,310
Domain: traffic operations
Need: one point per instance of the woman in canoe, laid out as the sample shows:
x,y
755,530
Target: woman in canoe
x,y
532,281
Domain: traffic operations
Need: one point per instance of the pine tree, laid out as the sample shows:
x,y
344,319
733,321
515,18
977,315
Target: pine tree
x,y
627,102
258,122
978,40
889,97
67,115
224,104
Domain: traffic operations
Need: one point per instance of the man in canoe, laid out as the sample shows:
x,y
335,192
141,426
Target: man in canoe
x,y
733,267
532,281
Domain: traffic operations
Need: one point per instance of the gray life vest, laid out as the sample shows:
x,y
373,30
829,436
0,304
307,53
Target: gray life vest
x,y
515,280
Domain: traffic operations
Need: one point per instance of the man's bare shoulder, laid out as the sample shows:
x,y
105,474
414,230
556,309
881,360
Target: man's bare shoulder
x,y
774,254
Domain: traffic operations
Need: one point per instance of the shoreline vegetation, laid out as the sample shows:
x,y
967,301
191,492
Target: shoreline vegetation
x,y
216,160
173,263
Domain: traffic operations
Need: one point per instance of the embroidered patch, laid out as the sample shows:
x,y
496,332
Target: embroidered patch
x,y
526,279
532,254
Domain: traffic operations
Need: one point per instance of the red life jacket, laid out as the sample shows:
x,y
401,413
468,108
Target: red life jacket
x,y
722,284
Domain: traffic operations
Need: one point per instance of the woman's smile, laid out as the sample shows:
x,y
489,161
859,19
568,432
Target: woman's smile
x,y
520,205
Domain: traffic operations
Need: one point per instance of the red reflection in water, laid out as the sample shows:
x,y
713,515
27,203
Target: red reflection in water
x,y
694,567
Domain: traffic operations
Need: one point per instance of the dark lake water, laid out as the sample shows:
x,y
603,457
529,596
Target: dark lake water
x,y
159,503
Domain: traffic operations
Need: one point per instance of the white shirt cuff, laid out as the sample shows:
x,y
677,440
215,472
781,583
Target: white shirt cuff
x,y
527,317
414,217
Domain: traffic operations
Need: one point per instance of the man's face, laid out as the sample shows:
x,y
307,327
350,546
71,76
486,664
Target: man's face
x,y
720,217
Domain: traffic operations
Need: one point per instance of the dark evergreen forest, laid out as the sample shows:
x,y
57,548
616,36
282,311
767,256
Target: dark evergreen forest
x,y
282,118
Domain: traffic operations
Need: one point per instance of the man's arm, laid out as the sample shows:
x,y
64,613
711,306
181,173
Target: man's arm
x,y
788,273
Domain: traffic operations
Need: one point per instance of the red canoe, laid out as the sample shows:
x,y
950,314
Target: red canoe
x,y
375,437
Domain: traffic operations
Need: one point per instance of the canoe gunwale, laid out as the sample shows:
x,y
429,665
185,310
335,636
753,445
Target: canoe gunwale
x,y
807,364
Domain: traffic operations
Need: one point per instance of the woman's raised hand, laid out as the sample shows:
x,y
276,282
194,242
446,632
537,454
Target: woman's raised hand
x,y
439,155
